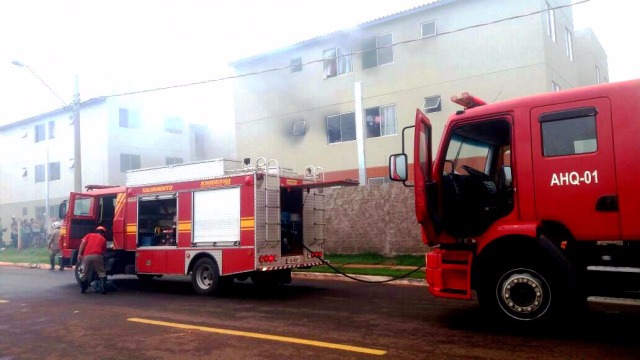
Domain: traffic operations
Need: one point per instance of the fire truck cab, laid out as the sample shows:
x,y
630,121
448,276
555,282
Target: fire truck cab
x,y
216,220
531,202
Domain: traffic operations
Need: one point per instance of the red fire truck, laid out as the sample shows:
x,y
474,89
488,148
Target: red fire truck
x,y
532,203
215,220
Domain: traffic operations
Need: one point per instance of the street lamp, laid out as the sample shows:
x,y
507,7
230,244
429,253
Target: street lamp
x,y
75,107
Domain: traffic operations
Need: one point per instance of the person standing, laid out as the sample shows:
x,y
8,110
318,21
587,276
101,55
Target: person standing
x,y
91,253
14,232
2,230
53,241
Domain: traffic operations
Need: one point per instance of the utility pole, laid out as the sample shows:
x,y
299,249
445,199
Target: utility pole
x,y
77,161
362,167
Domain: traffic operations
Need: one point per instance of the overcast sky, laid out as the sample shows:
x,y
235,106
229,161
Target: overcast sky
x,y
116,46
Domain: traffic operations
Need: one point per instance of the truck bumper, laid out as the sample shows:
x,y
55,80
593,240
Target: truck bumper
x,y
449,273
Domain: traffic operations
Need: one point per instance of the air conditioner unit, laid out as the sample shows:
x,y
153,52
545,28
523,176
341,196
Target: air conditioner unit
x,y
299,128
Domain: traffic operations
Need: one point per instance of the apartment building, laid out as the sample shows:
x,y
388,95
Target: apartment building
x,y
305,103
37,159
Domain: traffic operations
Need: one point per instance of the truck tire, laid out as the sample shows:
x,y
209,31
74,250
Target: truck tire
x,y
523,291
78,272
205,276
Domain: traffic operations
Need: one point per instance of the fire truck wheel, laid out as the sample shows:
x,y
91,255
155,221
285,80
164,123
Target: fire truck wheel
x,y
205,276
521,293
78,272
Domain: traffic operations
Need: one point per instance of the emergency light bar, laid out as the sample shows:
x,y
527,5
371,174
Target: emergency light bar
x,y
467,101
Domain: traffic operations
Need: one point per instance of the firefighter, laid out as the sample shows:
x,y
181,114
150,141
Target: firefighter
x,y
91,253
54,246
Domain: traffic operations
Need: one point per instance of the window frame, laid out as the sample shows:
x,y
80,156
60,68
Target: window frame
x,y
367,53
383,123
341,128
338,62
551,22
296,65
568,42
39,133
568,118
173,160
173,125
435,29
130,158
434,108
132,120
52,129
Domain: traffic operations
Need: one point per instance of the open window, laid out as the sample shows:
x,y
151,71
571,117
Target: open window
x,y
477,188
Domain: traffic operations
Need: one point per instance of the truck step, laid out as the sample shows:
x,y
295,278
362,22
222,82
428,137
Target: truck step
x,y
614,300
618,269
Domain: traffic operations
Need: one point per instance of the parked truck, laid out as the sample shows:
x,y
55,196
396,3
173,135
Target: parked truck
x,y
533,203
216,221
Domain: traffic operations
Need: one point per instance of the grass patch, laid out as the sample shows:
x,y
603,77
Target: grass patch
x,y
365,271
30,255
375,259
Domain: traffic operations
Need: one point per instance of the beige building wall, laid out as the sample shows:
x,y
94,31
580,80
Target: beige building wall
x,y
496,62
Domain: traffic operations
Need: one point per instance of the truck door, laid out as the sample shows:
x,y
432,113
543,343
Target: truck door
x,y
573,168
425,189
81,218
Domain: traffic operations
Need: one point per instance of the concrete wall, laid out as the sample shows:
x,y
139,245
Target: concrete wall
x,y
377,219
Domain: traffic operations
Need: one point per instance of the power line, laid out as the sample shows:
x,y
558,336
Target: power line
x,y
345,55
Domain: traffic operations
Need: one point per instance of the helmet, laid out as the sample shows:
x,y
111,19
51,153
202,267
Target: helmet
x,y
101,228
56,225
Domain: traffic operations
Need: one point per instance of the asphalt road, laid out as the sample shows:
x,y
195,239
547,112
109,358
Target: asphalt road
x,y
44,316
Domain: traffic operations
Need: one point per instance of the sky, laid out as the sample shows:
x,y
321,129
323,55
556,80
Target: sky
x,y
119,46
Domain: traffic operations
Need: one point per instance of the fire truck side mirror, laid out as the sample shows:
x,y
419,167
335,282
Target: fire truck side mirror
x,y
398,167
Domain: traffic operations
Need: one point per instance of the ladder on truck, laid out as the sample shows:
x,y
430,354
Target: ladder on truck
x,y
315,173
272,201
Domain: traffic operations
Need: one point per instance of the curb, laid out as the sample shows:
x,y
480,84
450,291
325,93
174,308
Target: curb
x,y
299,275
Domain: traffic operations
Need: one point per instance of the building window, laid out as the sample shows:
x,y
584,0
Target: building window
x,y
173,160
39,173
551,23
597,75
432,104
129,162
52,129
296,65
173,125
569,132
54,172
378,180
25,212
129,119
554,86
428,29
341,128
200,144
377,51
299,128
381,121
39,132
336,62
569,43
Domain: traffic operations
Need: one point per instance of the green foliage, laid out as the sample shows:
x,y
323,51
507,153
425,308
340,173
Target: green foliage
x,y
30,255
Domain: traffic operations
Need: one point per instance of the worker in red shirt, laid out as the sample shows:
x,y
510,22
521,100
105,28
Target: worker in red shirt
x,y
91,253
